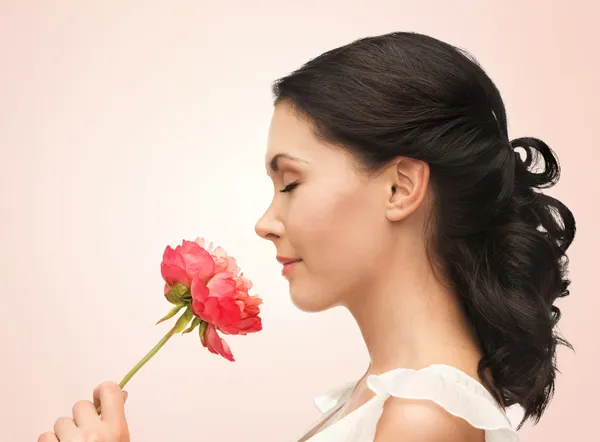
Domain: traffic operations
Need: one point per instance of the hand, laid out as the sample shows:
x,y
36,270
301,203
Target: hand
x,y
87,426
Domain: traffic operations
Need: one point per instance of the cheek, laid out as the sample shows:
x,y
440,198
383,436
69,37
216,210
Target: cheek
x,y
334,228
333,234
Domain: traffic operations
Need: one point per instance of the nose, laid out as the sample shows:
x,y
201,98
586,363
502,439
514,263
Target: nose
x,y
269,226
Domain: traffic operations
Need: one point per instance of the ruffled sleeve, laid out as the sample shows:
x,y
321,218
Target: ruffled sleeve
x,y
453,390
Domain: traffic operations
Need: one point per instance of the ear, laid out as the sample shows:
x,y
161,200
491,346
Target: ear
x,y
406,181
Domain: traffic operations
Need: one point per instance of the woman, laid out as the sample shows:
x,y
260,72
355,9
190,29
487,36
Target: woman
x,y
400,197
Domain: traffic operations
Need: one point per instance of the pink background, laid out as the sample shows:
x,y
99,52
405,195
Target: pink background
x,y
129,125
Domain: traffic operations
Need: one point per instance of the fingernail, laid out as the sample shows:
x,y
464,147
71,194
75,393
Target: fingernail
x,y
125,396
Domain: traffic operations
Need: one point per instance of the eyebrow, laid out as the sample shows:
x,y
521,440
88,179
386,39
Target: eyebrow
x,y
274,163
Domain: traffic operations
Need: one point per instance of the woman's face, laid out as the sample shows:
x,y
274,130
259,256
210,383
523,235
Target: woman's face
x,y
324,213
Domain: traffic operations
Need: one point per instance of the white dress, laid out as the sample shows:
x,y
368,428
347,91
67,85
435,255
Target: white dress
x,y
458,393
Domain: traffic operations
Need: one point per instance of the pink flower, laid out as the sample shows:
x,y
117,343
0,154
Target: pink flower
x,y
209,286
215,288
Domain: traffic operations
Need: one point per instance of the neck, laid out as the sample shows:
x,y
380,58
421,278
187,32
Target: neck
x,y
410,320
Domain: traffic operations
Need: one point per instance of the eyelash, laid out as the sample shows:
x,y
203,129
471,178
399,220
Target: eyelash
x,y
289,187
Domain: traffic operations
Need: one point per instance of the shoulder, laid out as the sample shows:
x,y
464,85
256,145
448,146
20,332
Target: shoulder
x,y
411,420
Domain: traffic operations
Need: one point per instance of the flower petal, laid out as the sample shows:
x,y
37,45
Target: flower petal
x,y
220,252
216,344
173,274
172,256
220,264
243,327
200,294
232,265
201,242
246,283
222,285
172,267
199,290
230,312
210,310
198,262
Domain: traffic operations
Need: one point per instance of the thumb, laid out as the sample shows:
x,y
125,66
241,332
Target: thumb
x,y
125,396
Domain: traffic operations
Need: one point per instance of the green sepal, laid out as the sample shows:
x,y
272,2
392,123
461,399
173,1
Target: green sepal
x,y
172,313
202,329
195,323
178,293
183,320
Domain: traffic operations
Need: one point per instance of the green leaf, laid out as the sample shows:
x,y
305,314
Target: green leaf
x,y
195,323
203,325
183,320
178,294
172,313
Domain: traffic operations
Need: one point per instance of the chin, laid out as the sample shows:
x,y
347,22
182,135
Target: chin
x,y
310,301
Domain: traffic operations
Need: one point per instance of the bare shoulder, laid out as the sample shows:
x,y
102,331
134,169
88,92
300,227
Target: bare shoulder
x,y
407,420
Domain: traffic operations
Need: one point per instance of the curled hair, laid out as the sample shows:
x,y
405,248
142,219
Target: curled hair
x,y
499,241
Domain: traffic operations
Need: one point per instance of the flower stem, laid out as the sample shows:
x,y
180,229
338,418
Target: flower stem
x,y
146,358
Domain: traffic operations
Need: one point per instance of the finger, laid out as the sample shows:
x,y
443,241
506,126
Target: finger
x,y
47,437
97,399
109,396
84,412
97,402
65,428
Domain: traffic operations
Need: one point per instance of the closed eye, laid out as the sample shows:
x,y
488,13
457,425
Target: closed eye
x,y
289,187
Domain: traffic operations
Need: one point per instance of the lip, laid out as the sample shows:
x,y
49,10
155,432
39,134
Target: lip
x,y
288,264
284,260
287,268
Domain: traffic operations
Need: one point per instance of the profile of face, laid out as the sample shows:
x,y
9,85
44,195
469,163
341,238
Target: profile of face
x,y
336,219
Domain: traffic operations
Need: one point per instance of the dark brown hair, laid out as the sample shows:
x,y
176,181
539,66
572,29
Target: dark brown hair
x,y
500,241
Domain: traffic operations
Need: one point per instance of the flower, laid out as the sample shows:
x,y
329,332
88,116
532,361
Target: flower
x,y
210,288
209,281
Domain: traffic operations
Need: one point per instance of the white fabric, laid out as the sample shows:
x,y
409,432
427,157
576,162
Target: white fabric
x,y
455,391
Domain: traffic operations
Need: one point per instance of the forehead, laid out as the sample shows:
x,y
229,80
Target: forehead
x,y
289,137
292,137
288,131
